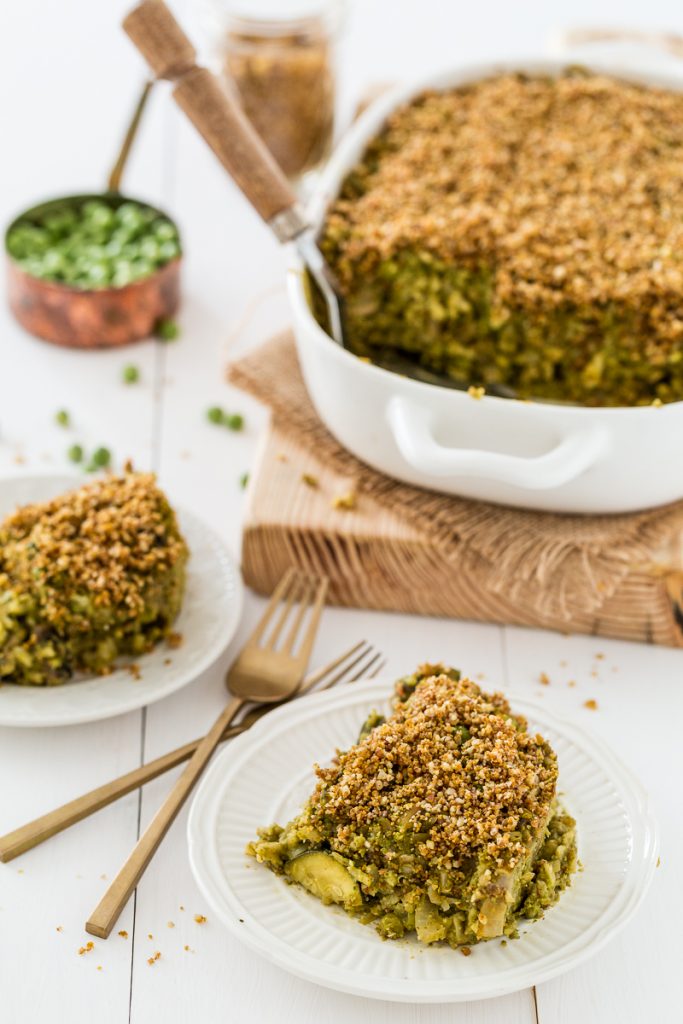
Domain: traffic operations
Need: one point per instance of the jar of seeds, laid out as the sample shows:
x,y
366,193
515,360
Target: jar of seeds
x,y
279,58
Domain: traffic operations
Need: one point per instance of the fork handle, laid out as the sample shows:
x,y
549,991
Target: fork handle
x,y
106,914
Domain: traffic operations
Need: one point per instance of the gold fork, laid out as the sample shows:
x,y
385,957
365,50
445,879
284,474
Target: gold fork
x,y
364,662
262,672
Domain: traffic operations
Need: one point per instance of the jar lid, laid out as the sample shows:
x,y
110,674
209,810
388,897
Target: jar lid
x,y
279,10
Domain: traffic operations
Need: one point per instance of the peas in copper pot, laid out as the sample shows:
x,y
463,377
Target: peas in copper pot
x,y
93,244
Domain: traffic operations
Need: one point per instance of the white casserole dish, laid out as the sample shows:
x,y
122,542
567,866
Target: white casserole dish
x,y
537,455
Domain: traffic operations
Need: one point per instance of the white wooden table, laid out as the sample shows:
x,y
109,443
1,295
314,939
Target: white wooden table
x,y
68,78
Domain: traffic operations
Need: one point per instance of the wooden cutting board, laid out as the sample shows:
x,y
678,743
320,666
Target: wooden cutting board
x,y
376,559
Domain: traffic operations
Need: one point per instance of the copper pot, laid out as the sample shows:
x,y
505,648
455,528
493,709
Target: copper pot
x,y
94,317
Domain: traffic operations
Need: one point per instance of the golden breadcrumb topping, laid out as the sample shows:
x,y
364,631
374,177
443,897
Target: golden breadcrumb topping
x,y
453,765
106,539
572,187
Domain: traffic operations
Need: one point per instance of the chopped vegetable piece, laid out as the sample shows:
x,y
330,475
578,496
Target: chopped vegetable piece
x,y
325,877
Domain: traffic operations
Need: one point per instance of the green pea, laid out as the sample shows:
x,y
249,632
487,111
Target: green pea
x,y
168,251
141,268
149,249
244,480
98,274
123,274
233,421
215,414
101,457
167,329
164,231
62,418
75,453
131,374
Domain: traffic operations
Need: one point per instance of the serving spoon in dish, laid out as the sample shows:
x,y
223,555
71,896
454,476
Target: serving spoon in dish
x,y
223,125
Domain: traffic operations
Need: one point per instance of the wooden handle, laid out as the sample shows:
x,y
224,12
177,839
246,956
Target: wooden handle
x,y
160,39
214,113
107,912
47,825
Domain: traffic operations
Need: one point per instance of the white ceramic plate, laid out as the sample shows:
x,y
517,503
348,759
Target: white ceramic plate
x,y
266,775
210,615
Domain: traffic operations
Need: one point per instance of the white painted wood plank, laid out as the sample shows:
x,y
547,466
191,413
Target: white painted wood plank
x,y
61,140
640,706
56,885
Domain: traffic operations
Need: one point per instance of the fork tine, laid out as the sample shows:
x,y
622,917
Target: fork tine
x,y
316,677
378,669
297,592
312,627
348,668
304,605
364,672
277,594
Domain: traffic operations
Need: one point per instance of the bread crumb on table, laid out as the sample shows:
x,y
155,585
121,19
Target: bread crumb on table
x,y
151,960
345,501
309,480
592,705
123,933
88,948
200,919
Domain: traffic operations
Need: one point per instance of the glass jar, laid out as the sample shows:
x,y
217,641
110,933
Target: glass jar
x,y
279,57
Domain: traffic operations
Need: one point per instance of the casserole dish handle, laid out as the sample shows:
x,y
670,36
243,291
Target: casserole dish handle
x,y
412,428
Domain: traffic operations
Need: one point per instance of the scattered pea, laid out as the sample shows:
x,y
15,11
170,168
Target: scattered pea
x,y
233,421
167,330
75,453
62,418
244,480
131,374
101,457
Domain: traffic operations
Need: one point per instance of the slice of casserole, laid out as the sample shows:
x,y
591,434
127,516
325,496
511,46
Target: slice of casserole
x,y
94,574
441,820
524,233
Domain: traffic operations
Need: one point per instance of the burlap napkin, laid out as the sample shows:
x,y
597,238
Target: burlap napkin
x,y
560,564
